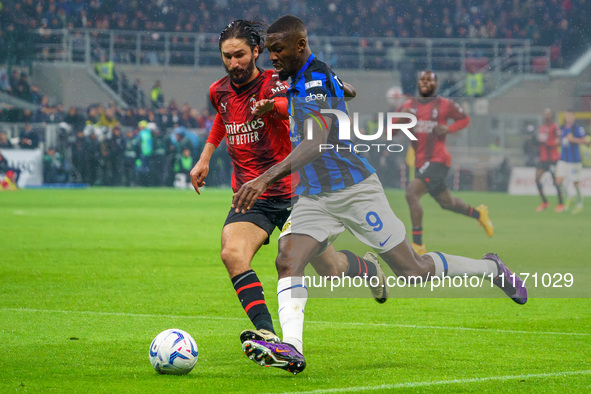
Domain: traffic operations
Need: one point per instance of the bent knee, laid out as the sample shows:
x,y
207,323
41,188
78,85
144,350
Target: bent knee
x,y
232,256
283,264
411,196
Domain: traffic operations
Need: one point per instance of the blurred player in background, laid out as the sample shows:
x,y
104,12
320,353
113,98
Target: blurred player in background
x,y
549,141
252,114
338,191
432,159
570,165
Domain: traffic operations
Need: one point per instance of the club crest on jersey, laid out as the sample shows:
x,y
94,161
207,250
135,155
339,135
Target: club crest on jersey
x,y
252,102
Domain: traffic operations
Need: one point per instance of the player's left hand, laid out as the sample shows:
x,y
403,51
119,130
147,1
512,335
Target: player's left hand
x,y
263,106
441,130
244,199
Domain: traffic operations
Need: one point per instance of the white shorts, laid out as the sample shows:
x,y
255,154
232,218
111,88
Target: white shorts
x,y
363,209
569,170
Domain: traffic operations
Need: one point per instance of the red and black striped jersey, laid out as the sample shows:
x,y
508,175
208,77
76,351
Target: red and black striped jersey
x,y
436,111
255,143
549,139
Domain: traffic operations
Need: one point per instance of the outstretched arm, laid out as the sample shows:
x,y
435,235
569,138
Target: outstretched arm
x,y
304,153
278,105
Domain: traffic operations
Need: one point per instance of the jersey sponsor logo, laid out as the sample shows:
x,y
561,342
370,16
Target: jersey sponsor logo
x,y
244,133
241,139
312,84
314,97
425,126
239,128
280,87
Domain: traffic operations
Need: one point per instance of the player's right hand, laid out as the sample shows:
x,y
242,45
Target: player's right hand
x,y
247,195
441,130
198,174
262,106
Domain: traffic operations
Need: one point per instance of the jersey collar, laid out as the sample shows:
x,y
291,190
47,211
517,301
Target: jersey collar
x,y
304,67
244,88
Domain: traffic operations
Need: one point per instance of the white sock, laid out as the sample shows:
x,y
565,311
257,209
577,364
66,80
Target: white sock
x,y
458,265
292,294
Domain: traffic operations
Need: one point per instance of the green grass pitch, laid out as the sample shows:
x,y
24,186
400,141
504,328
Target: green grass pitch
x,y
89,277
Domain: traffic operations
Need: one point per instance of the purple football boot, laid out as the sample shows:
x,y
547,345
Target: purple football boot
x,y
281,355
507,281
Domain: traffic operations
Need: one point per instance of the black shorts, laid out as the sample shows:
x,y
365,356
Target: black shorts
x,y
265,213
433,174
547,166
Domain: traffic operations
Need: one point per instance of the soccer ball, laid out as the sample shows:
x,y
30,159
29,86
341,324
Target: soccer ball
x,y
173,352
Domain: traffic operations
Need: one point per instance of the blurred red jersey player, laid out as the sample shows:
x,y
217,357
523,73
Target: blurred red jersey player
x,y
432,159
549,140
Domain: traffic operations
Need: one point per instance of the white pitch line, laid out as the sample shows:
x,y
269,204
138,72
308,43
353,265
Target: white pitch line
x,y
451,328
446,382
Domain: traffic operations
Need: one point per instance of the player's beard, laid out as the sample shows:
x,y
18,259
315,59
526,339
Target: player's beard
x,y
429,93
283,73
244,76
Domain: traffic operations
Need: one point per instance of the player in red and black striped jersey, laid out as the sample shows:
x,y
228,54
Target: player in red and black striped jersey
x,y
252,115
549,140
432,157
256,140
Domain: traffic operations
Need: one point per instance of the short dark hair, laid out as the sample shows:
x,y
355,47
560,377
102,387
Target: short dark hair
x,y
287,24
429,71
250,31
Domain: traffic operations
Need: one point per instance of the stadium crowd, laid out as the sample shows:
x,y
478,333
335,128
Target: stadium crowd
x,y
106,145
561,24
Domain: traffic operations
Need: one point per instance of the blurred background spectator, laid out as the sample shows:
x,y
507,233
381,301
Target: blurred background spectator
x,y
562,25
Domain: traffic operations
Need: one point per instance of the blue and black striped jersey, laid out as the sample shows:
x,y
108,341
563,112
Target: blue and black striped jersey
x,y
313,88
570,152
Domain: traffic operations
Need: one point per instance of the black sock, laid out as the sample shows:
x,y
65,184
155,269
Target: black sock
x,y
539,185
250,293
473,213
559,193
358,266
417,235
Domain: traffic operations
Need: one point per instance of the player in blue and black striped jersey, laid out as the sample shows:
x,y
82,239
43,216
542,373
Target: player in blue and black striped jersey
x,y
313,88
339,191
570,166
